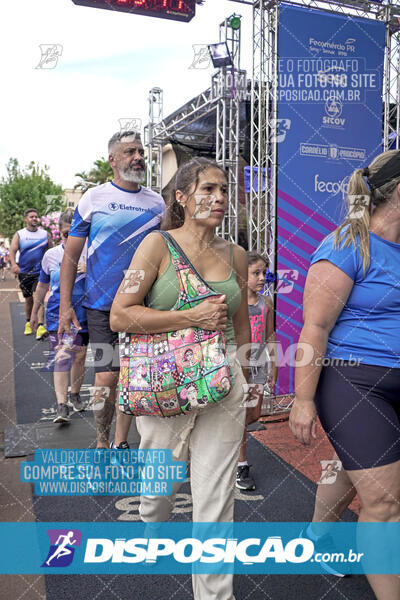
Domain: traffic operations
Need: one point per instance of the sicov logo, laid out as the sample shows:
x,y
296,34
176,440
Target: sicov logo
x,y
62,547
333,109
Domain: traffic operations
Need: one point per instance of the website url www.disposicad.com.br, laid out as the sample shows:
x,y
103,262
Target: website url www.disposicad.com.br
x,y
86,487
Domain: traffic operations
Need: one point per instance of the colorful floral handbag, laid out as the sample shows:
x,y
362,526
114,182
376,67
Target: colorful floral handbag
x,y
167,374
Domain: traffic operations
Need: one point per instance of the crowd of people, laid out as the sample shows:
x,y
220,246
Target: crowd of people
x,y
351,310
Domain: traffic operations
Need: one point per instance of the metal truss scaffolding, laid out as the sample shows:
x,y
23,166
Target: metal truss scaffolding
x,y
391,121
227,128
222,100
154,147
261,212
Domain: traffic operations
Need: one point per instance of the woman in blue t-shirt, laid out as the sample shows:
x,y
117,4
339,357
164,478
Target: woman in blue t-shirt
x,y
67,354
352,322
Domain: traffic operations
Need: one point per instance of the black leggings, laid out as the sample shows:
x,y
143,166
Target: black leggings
x,y
359,409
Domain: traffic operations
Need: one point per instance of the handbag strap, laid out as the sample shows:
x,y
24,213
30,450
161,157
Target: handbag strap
x,y
180,259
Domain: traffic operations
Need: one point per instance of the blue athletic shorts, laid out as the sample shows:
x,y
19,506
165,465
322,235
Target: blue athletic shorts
x,y
62,355
359,409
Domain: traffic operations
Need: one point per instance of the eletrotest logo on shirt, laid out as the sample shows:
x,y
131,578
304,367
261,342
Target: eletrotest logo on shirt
x,y
115,206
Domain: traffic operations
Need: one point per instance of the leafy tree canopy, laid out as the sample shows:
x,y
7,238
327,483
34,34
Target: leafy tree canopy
x,y
22,188
100,173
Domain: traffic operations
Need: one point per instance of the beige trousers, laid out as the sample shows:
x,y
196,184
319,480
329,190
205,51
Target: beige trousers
x,y
210,439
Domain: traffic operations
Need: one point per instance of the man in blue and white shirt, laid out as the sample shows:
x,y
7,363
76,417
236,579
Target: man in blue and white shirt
x,y
32,242
114,218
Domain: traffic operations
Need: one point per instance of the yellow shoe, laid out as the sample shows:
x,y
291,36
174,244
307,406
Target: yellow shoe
x,y
41,332
28,329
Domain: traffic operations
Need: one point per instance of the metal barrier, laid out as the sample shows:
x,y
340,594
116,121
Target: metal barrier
x,y
276,405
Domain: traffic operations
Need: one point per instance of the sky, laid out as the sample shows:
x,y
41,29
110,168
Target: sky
x,y
63,117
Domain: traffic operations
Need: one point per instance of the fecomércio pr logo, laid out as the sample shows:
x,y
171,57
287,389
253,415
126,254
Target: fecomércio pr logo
x,y
62,547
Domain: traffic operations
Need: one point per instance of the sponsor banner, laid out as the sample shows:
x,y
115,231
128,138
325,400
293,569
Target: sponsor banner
x,y
329,82
175,548
98,473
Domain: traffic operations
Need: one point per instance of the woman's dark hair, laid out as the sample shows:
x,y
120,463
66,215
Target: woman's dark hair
x,y
185,178
66,217
253,257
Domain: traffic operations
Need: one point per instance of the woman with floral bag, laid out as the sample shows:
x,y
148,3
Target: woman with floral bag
x,y
209,433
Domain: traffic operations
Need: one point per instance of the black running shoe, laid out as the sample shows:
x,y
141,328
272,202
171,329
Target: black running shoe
x,y
115,459
62,414
322,545
244,480
121,446
77,402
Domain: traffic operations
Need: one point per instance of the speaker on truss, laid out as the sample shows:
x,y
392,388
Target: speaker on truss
x,y
173,156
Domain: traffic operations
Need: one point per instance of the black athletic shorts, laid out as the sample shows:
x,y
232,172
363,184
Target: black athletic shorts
x,y
103,341
28,283
359,409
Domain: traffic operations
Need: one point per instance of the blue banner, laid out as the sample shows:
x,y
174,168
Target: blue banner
x,y
175,548
330,72
247,179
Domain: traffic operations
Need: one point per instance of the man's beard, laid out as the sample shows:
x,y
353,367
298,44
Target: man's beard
x,y
132,175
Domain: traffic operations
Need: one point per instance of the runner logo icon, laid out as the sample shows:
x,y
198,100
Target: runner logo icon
x,y
62,547
282,127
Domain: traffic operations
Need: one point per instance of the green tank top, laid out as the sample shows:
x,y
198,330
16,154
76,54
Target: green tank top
x,y
164,294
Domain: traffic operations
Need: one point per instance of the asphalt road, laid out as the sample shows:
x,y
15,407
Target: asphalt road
x,y
283,494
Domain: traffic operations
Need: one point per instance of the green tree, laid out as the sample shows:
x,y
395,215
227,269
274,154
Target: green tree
x,y
100,173
22,188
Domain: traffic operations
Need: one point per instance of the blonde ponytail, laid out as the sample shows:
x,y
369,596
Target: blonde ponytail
x,y
359,203
356,223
